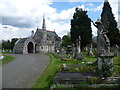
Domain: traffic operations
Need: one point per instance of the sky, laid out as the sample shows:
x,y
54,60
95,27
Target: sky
x,y
20,17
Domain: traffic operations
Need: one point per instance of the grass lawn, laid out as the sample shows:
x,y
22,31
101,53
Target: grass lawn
x,y
46,79
6,59
116,66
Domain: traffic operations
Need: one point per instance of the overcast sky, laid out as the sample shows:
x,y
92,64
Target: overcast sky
x,y
20,17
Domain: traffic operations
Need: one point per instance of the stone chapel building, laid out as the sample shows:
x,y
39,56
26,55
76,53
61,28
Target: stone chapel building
x,y
40,41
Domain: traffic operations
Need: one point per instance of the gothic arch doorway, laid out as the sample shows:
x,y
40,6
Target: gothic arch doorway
x,y
30,47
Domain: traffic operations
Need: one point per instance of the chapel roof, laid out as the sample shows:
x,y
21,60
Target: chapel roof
x,y
21,41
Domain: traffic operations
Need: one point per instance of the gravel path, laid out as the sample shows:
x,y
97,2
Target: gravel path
x,y
24,70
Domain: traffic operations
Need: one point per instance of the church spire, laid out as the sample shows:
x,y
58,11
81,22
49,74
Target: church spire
x,y
43,25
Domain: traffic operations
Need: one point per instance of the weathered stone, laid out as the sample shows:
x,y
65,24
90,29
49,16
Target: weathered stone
x,y
69,49
90,53
116,50
79,56
104,56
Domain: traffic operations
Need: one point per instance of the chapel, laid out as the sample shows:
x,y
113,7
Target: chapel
x,y
42,41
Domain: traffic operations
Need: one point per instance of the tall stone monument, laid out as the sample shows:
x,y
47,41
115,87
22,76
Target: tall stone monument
x,y
104,56
79,45
90,53
78,54
116,50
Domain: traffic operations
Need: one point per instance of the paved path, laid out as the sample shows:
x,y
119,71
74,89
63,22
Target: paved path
x,y
24,70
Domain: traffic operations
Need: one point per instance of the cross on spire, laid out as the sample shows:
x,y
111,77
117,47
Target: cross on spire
x,y
43,25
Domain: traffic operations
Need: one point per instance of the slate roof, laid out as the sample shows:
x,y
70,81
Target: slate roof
x,y
50,34
21,41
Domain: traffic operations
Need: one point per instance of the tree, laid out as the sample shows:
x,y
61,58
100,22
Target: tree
x,y
81,25
110,24
66,41
8,45
13,41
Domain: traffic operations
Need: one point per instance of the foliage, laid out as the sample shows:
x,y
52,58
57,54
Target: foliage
x,y
8,45
13,41
95,80
81,25
66,41
116,66
110,24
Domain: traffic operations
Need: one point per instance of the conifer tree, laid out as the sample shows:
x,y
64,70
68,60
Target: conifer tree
x,y
110,24
81,25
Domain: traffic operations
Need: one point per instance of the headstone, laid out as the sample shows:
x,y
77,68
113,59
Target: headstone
x,y
90,53
79,56
86,48
69,49
73,51
3,50
65,68
116,50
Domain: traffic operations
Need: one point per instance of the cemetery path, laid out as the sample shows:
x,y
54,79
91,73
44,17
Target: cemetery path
x,y
24,70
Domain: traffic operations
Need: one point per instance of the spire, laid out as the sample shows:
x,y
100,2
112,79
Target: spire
x,y
106,1
43,25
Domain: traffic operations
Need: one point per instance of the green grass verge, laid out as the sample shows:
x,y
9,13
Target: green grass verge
x,y
116,65
6,59
46,79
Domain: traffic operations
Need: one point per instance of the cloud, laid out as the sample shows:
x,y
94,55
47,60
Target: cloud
x,y
94,29
24,13
19,17
99,8
90,5
114,5
9,32
24,21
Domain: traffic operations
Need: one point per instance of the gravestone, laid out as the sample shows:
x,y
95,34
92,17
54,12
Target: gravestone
x,y
79,45
116,50
78,54
86,48
73,50
90,53
3,50
104,56
69,49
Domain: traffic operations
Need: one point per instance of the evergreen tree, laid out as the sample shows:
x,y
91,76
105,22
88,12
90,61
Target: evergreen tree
x,y
81,25
13,41
8,45
66,41
110,24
